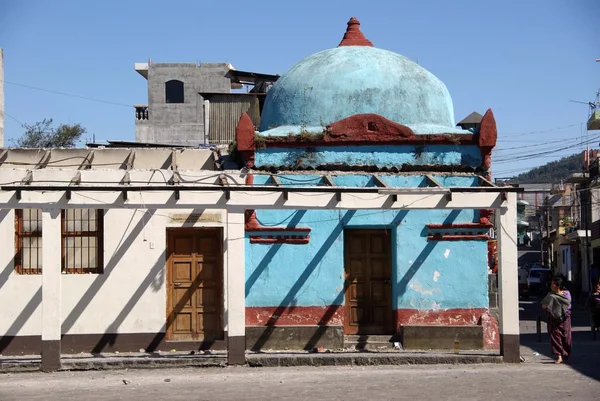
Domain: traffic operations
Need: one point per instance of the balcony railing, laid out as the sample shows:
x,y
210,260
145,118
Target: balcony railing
x,y
141,112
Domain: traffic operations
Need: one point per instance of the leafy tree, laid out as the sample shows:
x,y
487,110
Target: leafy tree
x,y
43,135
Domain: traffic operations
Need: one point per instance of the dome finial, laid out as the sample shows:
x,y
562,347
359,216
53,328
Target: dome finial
x,y
353,35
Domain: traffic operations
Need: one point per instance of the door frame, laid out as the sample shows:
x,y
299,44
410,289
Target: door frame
x,y
392,254
169,316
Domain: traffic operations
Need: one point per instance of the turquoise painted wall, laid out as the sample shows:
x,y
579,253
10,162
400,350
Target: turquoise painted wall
x,y
337,83
379,155
427,274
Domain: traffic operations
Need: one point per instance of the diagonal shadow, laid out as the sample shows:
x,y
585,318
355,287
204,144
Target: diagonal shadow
x,y
324,321
20,320
399,218
273,249
185,298
452,216
414,268
29,308
122,248
310,267
7,271
420,260
111,334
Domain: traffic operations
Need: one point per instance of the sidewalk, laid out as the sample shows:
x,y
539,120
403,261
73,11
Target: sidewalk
x,y
263,359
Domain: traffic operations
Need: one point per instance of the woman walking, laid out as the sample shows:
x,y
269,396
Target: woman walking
x,y
558,307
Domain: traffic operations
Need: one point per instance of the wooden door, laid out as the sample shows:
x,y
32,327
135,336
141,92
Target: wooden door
x,y
194,284
368,285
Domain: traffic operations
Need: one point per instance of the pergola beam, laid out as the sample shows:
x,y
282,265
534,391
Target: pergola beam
x,y
226,197
328,181
87,162
433,181
486,182
275,180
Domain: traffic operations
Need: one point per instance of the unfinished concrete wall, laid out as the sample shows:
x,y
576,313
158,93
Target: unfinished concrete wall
x,y
180,123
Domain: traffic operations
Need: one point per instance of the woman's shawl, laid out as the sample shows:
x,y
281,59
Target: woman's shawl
x,y
556,305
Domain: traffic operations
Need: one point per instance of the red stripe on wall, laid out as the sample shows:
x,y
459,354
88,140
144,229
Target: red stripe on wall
x,y
334,316
454,317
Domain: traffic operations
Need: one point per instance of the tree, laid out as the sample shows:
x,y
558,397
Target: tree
x,y
43,135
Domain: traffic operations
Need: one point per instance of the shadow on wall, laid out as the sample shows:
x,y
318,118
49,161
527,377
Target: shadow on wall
x,y
268,258
8,269
27,311
109,338
121,249
289,298
420,260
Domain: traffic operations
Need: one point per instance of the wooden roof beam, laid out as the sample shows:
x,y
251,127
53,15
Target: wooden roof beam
x,y
327,180
485,182
432,181
275,180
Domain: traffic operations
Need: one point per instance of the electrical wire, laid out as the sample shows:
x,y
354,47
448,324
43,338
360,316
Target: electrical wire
x,y
67,94
11,117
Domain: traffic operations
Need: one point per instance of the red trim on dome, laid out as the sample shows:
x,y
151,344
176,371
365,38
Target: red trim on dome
x,y
362,129
353,35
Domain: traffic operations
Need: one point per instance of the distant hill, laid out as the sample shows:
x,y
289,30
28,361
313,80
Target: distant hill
x,y
551,172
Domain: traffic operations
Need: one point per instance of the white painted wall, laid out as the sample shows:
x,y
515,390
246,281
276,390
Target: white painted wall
x,y
130,297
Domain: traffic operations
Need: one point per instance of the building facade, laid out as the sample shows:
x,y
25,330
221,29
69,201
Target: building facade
x,y
358,208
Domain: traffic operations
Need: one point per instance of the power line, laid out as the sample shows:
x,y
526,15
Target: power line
x,y
67,94
537,144
539,132
526,155
13,118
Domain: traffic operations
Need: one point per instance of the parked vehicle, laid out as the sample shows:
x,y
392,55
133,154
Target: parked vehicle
x,y
538,281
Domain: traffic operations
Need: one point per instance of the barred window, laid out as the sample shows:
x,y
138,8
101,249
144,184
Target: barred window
x,y
28,240
82,231
81,239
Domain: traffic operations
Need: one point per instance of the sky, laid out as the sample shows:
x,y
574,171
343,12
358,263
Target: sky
x,y
523,59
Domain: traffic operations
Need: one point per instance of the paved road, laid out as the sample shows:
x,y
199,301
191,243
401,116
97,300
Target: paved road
x,y
440,382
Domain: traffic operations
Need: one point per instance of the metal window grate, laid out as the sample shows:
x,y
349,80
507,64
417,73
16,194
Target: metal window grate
x,y
28,241
82,241
82,233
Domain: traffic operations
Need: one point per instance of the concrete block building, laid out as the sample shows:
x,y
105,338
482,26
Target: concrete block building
x,y
193,104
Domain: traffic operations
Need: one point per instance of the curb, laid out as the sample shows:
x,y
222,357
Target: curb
x,y
22,367
260,360
367,360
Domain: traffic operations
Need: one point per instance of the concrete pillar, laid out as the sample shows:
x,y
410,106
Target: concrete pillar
x,y
1,98
236,292
506,227
51,277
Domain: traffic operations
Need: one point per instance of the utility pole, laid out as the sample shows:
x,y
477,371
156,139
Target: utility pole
x,y
547,212
587,215
541,225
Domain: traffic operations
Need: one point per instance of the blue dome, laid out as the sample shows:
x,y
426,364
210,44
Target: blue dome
x,y
337,83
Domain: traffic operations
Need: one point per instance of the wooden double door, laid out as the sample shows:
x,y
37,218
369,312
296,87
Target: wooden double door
x,y
194,284
368,282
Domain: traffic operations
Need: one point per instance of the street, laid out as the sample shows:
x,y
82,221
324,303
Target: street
x,y
477,382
